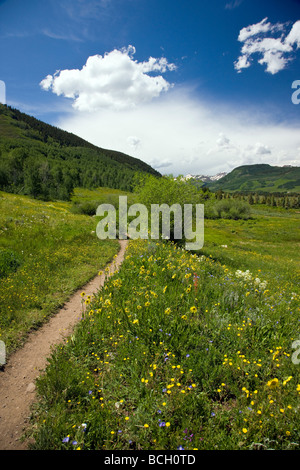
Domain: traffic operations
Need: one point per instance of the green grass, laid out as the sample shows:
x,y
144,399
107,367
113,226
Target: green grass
x,y
183,351
178,350
267,244
46,253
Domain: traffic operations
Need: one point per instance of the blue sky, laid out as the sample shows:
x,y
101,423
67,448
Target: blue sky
x,y
189,87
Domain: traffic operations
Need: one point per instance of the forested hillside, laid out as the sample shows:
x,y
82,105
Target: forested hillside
x,y
46,162
261,178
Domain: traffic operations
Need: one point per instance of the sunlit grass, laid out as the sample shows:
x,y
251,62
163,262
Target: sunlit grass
x,y
178,351
45,254
268,243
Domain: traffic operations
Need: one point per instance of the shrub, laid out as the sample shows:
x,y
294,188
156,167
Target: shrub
x,y
9,262
231,209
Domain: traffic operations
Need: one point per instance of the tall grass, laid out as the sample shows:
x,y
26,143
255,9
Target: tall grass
x,y
45,254
178,351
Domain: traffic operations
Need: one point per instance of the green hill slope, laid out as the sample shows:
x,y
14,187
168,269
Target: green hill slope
x,y
260,178
44,161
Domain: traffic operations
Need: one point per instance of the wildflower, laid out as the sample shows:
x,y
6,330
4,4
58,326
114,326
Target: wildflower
x,y
146,425
273,383
193,309
168,424
287,380
245,430
66,439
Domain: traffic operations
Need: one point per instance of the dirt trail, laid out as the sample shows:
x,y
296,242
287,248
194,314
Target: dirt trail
x,y
17,380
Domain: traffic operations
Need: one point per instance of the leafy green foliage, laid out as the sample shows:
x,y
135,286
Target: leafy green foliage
x,y
228,209
9,262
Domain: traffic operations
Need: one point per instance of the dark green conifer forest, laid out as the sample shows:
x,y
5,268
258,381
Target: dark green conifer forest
x,y
46,162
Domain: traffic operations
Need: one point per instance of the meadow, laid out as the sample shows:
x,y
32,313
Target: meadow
x,y
46,253
187,351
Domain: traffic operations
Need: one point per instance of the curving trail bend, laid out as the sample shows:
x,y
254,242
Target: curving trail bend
x,y
17,380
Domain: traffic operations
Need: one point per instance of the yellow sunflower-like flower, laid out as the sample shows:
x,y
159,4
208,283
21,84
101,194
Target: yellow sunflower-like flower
x,y
273,383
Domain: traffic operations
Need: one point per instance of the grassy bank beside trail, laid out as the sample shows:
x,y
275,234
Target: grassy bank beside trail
x,y
268,243
46,253
177,351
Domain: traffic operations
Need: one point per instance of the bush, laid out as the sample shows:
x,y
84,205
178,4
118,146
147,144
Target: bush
x,y
231,209
86,208
9,262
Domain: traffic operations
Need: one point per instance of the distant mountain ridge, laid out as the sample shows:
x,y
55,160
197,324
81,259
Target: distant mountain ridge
x,y
259,178
206,178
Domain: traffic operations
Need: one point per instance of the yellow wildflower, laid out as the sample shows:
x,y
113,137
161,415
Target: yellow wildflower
x,y
273,383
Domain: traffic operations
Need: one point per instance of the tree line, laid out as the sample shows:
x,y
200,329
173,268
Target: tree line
x,y
287,201
47,163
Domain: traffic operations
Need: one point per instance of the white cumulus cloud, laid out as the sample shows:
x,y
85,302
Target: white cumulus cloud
x,y
114,80
180,134
274,52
